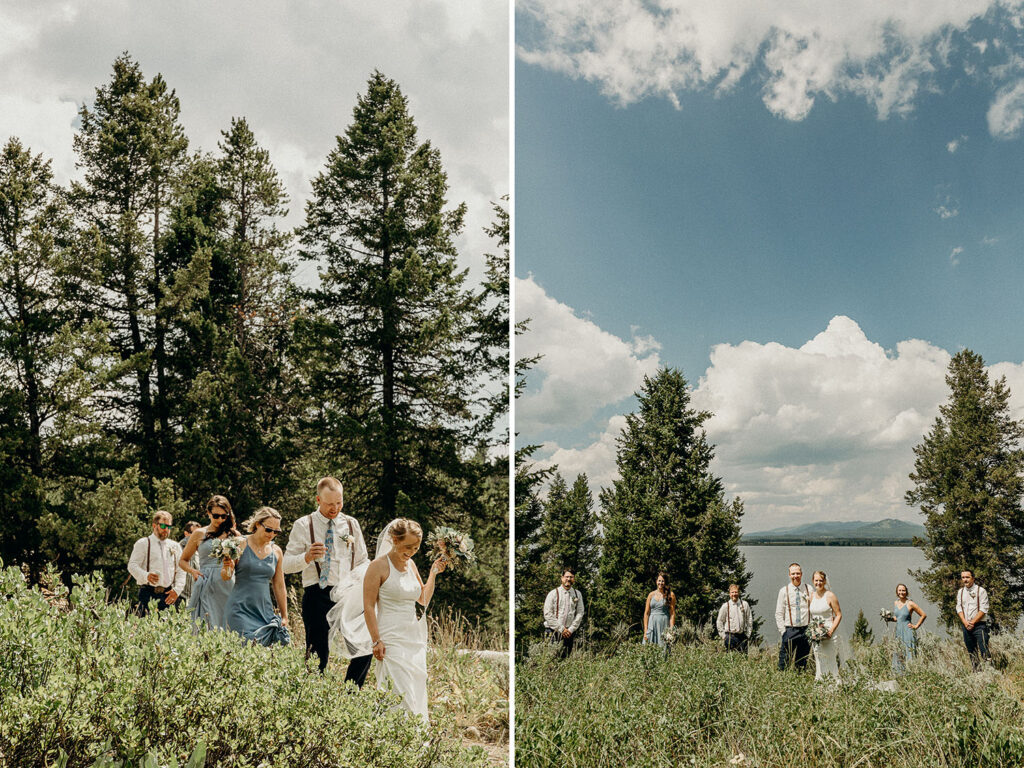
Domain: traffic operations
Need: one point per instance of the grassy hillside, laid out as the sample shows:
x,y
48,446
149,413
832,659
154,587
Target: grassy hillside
x,y
701,706
80,684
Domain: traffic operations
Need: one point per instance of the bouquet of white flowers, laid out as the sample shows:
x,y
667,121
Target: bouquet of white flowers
x,y
669,636
818,629
886,615
227,549
452,545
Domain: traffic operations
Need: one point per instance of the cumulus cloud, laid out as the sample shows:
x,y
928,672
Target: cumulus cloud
x,y
956,143
799,53
582,368
954,256
820,431
293,70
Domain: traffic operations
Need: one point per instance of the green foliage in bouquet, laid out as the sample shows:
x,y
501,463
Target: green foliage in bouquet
x,y
81,683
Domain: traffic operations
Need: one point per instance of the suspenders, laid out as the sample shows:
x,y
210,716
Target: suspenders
x,y
352,561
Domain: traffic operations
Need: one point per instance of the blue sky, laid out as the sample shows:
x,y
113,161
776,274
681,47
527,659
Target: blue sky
x,y
806,222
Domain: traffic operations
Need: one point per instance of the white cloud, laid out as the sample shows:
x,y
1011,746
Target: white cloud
x,y
1006,114
954,256
582,367
292,70
799,52
956,143
820,431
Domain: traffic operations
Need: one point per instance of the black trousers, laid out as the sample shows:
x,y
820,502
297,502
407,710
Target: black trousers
x,y
567,642
976,641
147,595
316,602
734,641
795,648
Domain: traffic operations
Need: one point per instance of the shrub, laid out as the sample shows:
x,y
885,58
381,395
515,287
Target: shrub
x,y
85,683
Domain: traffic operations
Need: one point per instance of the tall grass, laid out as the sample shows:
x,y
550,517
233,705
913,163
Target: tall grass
x,y
702,706
81,684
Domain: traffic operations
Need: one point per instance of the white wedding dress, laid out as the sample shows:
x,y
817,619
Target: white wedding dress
x,y
826,653
404,637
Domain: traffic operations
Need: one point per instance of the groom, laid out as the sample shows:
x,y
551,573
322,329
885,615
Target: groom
x,y
792,615
317,550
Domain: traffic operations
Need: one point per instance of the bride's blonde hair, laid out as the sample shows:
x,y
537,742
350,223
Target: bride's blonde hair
x,y
403,526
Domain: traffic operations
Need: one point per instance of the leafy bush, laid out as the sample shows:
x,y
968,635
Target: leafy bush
x,y
81,683
702,706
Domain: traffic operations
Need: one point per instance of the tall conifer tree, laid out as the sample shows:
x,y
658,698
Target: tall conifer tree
x,y
969,484
388,342
667,511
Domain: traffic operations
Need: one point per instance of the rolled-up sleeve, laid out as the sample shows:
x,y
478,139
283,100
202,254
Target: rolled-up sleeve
x,y
780,611
720,621
579,614
983,601
294,560
550,618
179,573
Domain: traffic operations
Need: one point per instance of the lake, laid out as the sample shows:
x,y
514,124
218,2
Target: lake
x,y
861,577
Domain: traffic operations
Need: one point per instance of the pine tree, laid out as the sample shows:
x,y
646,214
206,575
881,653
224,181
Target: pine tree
x,y
968,483
386,346
862,632
131,149
570,531
667,512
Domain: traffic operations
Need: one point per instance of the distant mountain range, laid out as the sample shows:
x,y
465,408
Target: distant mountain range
x,y
888,531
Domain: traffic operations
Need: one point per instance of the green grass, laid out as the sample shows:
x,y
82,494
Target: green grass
x,y
81,684
701,706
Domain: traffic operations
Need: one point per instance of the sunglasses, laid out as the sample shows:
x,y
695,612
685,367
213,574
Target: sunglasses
x,y
164,526
218,516
271,531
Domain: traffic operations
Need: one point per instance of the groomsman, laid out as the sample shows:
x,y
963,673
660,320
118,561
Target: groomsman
x,y
154,566
317,550
735,621
972,608
563,613
792,615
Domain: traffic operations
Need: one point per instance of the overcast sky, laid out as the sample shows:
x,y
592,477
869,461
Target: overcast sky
x,y
806,207
292,69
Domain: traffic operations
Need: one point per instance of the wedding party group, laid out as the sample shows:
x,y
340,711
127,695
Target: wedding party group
x,y
806,618
232,582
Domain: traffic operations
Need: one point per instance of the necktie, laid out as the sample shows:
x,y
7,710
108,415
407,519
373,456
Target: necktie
x,y
329,546
798,621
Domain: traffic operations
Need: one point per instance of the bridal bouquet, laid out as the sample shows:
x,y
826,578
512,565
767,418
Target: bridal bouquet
x,y
887,615
452,545
669,636
227,549
818,629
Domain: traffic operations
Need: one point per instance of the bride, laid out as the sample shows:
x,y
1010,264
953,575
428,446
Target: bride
x,y
393,586
825,604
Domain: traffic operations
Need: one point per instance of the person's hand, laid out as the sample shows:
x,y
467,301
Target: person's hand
x,y
566,634
198,575
284,621
439,565
152,577
316,550
228,563
172,596
378,650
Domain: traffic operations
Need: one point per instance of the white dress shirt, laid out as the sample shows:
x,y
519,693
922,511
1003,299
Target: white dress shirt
x,y
793,608
341,560
734,617
563,609
163,560
970,601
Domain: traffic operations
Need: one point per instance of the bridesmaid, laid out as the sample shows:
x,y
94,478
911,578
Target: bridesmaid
x,y
250,611
660,611
209,592
903,612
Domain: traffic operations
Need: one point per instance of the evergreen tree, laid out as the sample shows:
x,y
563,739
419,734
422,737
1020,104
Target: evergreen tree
x,y
46,348
131,148
862,632
667,512
968,483
386,347
570,532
